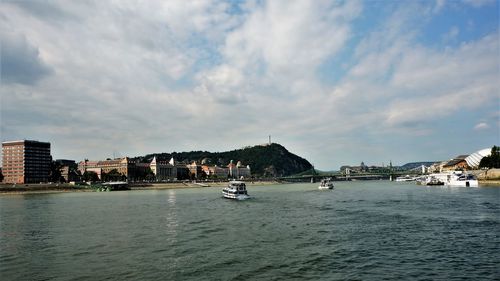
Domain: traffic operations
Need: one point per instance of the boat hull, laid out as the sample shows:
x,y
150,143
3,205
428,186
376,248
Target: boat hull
x,y
234,196
463,183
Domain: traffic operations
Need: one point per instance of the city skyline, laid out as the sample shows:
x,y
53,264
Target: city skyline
x,y
334,82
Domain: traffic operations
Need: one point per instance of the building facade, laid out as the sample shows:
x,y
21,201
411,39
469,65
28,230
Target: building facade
x,y
457,163
195,170
26,161
238,170
163,170
215,171
123,166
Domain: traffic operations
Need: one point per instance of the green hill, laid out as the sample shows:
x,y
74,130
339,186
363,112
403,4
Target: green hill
x,y
264,160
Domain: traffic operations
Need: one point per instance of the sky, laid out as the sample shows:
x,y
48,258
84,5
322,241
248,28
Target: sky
x,y
335,82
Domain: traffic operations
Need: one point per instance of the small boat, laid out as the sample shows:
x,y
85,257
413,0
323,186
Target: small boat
x,y
406,178
115,185
235,190
325,184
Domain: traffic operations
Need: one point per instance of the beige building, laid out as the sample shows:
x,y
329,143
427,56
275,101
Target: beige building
x,y
219,172
239,170
123,166
163,170
26,161
457,163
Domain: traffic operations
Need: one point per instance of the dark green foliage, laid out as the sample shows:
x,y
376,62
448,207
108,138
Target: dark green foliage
x,y
90,176
264,160
55,172
492,161
113,175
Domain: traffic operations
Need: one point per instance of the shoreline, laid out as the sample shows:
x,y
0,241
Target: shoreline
x,y
7,189
490,183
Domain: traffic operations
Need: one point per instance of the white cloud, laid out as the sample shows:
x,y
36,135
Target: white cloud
x,y
20,60
401,84
217,75
434,84
481,126
270,62
289,38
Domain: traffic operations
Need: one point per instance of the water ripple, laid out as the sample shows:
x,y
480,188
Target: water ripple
x,y
360,231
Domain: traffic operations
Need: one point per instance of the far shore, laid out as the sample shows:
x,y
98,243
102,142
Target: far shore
x,y
6,189
65,187
200,184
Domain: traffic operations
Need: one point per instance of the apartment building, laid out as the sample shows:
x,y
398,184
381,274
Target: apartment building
x,y
26,161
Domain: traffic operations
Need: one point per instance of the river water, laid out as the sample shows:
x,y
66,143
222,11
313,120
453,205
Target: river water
x,y
364,230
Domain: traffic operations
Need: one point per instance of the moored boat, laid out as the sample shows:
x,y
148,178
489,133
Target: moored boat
x,y
434,181
115,185
235,190
464,180
454,179
406,178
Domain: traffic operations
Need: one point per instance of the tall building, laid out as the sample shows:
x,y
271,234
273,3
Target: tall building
x,y
26,161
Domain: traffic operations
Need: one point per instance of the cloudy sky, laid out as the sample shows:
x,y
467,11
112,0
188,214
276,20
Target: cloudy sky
x,y
336,82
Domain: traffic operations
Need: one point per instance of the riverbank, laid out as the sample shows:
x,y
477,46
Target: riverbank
x,y
177,185
42,188
495,183
64,187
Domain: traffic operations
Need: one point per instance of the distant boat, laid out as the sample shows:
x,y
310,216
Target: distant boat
x,y
434,181
325,184
406,178
236,190
115,185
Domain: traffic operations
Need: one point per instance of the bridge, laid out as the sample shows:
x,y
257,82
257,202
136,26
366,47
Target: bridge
x,y
339,176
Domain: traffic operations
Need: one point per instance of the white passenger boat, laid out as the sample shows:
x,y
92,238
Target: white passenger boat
x,y
235,190
454,179
406,178
325,184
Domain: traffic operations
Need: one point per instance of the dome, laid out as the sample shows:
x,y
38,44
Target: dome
x,y
474,159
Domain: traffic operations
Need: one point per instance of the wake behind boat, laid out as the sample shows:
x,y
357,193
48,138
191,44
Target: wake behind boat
x,y
235,190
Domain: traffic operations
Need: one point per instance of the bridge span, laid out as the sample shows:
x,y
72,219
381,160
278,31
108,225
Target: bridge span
x,y
343,177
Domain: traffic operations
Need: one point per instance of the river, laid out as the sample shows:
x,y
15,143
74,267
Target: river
x,y
363,230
